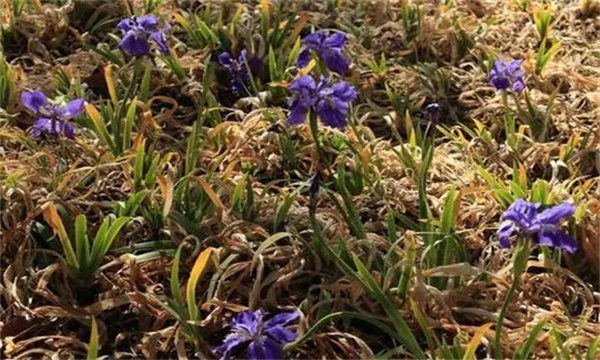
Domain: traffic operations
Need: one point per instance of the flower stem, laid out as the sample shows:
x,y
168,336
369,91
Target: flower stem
x,y
314,129
521,256
505,100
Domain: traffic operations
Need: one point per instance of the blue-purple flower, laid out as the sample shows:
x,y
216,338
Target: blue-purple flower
x,y
328,48
331,102
505,75
136,34
237,68
542,227
53,119
263,339
433,112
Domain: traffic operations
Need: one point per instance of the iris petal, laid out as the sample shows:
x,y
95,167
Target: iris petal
x,y
34,100
68,130
556,214
148,22
554,237
125,25
256,350
225,59
281,334
273,350
303,83
248,321
336,61
159,39
74,108
303,58
336,40
505,75
284,318
41,126
135,43
504,232
230,343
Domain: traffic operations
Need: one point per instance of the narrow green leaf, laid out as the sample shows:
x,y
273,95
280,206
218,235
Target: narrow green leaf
x,y
523,352
104,240
129,119
175,284
403,330
94,343
82,245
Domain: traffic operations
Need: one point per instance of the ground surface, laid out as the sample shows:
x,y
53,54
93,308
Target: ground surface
x,y
205,167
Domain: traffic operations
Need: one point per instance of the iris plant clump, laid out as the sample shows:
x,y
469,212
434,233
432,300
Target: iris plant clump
x,y
541,227
330,101
532,226
504,76
328,48
136,34
53,119
263,339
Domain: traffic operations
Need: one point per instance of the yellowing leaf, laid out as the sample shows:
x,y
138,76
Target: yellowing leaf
x,y
298,28
408,125
264,7
305,70
475,341
93,113
166,188
197,271
52,217
211,193
37,4
283,84
522,177
110,84
180,19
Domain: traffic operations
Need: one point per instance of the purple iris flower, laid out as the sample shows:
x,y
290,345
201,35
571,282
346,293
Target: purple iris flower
x,y
328,48
53,119
331,102
505,75
136,32
263,339
238,69
541,227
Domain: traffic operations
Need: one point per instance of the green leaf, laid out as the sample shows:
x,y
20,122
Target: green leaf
x,y
175,284
273,66
283,209
424,212
500,190
317,325
138,170
403,330
593,349
447,220
93,346
104,239
129,119
523,351
206,32
82,245
152,172
145,86
134,203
